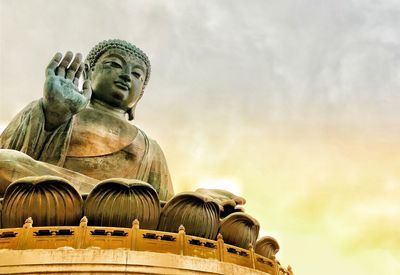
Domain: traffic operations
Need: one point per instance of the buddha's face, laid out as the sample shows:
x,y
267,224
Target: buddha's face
x,y
118,78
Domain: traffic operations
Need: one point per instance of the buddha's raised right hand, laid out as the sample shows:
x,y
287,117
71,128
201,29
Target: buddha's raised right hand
x,y
61,96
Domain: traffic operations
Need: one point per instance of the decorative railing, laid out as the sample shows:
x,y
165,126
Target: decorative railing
x,y
134,238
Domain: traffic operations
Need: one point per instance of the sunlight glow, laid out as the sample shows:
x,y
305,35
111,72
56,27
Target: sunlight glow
x,y
228,184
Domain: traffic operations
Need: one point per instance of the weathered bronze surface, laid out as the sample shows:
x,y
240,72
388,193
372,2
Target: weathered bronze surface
x,y
240,229
117,202
49,200
86,133
199,215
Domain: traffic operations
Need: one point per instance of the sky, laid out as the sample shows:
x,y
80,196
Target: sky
x,y
293,105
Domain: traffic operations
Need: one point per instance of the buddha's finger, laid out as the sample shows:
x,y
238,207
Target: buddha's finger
x,y
87,89
60,71
50,69
73,68
78,74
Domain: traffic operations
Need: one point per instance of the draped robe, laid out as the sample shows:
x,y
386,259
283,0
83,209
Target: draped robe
x,y
93,145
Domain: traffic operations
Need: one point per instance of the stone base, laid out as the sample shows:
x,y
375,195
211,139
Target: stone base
x,y
68,260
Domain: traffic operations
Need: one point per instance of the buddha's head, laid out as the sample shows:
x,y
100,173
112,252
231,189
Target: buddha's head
x,y
119,72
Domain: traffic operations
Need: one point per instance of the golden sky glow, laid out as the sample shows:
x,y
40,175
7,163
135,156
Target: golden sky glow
x,y
293,104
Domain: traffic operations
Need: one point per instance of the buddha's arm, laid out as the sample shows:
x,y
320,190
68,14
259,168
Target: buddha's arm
x,y
26,133
25,130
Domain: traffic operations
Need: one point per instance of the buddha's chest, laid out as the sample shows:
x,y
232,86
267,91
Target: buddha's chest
x,y
97,134
103,146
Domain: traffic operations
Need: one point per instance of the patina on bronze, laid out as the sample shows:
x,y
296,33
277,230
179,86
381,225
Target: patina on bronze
x,y
84,136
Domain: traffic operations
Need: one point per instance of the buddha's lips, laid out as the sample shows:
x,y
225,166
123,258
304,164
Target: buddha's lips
x,y
122,85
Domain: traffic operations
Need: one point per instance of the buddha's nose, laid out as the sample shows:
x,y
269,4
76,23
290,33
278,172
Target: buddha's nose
x,y
126,77
126,74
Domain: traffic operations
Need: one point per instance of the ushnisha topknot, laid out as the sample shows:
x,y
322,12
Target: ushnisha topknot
x,y
105,45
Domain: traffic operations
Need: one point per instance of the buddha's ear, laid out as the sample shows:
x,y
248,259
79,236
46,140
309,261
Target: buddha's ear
x,y
86,71
131,110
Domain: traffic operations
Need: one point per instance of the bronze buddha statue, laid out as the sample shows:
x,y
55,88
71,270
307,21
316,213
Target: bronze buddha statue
x,y
84,136
73,153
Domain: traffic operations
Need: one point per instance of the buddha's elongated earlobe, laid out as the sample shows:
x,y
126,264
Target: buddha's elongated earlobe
x,y
86,70
131,110
131,113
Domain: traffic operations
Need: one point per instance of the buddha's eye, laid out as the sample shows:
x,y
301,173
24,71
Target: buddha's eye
x,y
136,74
114,64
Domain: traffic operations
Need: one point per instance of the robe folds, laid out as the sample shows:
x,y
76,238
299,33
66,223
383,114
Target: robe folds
x,y
94,145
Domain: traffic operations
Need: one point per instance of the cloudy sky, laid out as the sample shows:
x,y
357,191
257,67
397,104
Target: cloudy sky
x,y
292,104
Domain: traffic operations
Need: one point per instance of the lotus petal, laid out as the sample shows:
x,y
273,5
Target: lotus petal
x,y
199,215
117,202
240,229
49,200
267,247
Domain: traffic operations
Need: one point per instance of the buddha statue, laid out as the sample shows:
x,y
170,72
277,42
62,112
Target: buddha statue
x,y
84,136
73,158
83,139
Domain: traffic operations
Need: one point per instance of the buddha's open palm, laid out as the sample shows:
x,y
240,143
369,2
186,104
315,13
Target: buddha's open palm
x,y
61,96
